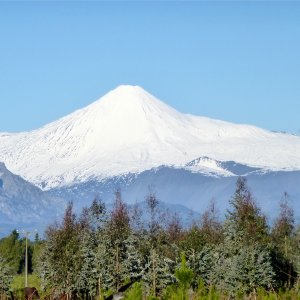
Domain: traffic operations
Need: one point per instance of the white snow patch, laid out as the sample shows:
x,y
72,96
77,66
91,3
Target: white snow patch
x,y
129,130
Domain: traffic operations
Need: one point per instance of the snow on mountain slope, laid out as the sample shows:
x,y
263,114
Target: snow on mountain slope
x,y
129,130
207,166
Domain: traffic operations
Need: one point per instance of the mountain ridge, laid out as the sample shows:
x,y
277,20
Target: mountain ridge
x,y
22,204
129,131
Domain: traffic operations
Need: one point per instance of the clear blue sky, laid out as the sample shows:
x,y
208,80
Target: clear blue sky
x,y
228,60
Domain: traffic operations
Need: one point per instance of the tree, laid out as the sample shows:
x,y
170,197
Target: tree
x,y
119,223
158,272
95,216
12,249
119,230
184,275
241,269
135,292
5,276
245,222
110,255
242,263
284,226
133,258
60,261
285,244
193,239
210,226
202,264
174,229
152,203
93,250
88,276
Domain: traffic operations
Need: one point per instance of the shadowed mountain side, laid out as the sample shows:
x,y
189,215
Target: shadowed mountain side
x,y
23,205
193,190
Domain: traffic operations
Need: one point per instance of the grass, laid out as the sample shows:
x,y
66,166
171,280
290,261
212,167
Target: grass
x,y
19,282
18,285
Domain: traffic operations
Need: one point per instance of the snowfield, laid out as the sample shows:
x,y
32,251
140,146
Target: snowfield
x,y
129,131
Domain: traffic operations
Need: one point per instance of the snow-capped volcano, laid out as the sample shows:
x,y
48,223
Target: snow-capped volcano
x,y
129,130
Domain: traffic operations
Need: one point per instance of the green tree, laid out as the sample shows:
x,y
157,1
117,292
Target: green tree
x,y
210,226
93,250
60,260
135,292
284,227
5,276
241,269
158,272
242,263
245,222
118,231
13,251
184,275
285,245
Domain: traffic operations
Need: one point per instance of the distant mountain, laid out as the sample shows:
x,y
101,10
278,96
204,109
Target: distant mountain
x,y
130,131
23,205
193,190
129,139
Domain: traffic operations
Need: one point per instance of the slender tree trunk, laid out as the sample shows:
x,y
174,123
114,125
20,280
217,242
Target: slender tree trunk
x,y
117,269
99,287
154,272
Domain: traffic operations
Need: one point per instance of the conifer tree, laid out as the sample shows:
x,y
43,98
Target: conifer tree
x,y
5,276
153,225
12,250
89,273
184,274
202,264
118,232
158,272
60,259
210,226
242,269
245,223
133,258
284,226
93,250
242,263
285,245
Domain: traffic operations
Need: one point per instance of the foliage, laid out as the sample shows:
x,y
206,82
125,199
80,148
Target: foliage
x,y
12,248
5,275
211,228
285,223
245,223
101,252
184,275
60,260
158,272
135,292
18,282
241,270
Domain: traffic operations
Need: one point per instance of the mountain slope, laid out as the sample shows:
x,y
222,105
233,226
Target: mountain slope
x,y
23,204
192,189
129,130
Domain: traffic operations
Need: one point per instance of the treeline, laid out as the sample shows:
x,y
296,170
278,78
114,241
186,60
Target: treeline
x,y
100,252
12,249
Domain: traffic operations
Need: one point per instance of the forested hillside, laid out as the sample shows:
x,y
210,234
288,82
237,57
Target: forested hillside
x,y
100,253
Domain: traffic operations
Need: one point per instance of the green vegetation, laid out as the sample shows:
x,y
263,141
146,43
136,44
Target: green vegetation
x,y
100,252
18,281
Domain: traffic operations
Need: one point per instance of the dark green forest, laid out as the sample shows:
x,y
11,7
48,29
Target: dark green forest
x,y
102,252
